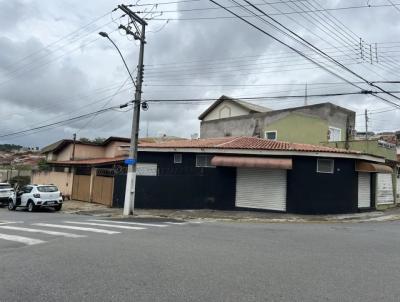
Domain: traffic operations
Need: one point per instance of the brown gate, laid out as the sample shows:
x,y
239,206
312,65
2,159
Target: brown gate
x,y
102,191
81,187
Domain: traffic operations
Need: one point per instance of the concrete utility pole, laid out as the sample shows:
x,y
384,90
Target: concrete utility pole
x,y
139,34
366,124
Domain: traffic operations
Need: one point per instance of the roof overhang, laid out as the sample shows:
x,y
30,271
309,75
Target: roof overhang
x,y
265,153
364,166
252,162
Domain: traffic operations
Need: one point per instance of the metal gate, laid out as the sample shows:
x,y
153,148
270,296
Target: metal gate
x,y
102,191
364,190
81,188
261,189
384,191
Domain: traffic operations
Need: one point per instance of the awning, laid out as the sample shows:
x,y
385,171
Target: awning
x,y
252,162
364,166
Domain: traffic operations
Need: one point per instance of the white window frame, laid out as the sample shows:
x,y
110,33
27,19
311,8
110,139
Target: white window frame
x,y
271,131
178,158
326,159
204,166
334,128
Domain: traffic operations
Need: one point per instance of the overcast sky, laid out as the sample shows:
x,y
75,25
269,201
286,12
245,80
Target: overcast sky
x,y
54,67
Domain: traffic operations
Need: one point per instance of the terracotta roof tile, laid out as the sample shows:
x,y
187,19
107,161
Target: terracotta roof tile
x,y
93,161
245,143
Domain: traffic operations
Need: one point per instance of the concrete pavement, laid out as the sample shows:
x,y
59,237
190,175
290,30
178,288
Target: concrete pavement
x,y
92,209
209,261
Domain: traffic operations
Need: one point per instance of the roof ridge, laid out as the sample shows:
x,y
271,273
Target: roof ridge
x,y
228,142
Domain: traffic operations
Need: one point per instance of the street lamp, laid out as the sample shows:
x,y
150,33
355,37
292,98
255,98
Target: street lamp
x,y
133,150
105,35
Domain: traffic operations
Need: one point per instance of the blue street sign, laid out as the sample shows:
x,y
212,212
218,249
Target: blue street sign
x,y
130,161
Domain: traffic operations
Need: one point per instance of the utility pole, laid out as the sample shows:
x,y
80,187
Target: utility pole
x,y
139,25
366,124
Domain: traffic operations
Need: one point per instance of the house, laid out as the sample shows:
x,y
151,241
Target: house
x,y
85,170
311,124
254,173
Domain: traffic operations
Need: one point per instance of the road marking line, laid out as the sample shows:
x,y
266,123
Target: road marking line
x,y
177,223
107,225
20,239
69,235
134,223
8,222
61,226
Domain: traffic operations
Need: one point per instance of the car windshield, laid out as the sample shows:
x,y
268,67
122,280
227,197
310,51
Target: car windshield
x,y
47,189
5,186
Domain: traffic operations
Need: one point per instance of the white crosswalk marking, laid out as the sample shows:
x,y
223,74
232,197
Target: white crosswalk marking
x,y
130,222
71,227
20,239
54,233
107,225
177,223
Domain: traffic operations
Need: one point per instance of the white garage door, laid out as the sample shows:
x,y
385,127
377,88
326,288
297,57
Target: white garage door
x,y
384,190
364,190
261,189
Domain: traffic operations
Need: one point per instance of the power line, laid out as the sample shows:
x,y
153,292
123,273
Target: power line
x,y
311,47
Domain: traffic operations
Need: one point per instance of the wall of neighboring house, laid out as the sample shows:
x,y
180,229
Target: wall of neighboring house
x,y
308,129
62,180
81,152
7,174
226,109
371,147
254,124
113,149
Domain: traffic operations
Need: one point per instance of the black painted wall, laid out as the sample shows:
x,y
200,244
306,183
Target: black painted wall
x,y
180,186
309,192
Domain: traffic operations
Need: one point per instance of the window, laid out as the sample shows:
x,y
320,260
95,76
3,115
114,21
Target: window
x,y
272,135
325,165
47,189
204,161
334,134
177,158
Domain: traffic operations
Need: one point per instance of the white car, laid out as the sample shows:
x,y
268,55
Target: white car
x,y
6,193
37,196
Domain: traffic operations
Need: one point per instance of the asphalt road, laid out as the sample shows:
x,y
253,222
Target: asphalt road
x,y
210,261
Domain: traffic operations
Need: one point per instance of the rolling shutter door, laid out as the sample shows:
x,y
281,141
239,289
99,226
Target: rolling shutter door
x,y
261,189
364,190
384,191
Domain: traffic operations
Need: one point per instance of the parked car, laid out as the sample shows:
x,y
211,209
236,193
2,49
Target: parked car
x,y
37,196
6,193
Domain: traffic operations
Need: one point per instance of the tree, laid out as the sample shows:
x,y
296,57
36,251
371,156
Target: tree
x,y
43,165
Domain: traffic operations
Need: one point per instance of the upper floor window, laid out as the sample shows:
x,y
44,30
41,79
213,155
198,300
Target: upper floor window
x,y
177,158
334,134
272,135
204,161
325,165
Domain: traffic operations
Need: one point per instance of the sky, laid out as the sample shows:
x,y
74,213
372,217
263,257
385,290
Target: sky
x,y
54,66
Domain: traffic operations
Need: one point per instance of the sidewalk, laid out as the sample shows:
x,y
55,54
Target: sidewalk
x,y
92,209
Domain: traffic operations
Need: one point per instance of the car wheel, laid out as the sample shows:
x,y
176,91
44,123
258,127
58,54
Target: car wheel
x,y
58,208
11,205
31,206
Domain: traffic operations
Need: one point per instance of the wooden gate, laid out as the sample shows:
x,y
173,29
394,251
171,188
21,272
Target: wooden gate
x,y
103,190
81,187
